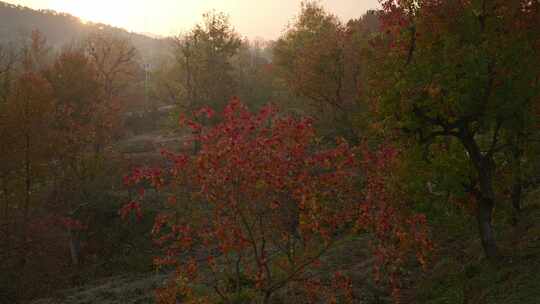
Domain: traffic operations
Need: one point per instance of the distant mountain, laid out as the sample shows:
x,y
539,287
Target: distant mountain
x,y
60,28
152,35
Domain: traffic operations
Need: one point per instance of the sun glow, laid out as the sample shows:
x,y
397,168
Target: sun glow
x,y
253,18
117,13
165,17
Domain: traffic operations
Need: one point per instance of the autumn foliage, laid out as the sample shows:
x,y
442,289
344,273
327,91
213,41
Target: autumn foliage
x,y
386,213
54,115
465,73
256,209
419,113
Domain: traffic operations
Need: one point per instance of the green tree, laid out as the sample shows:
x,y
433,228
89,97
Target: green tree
x,y
203,63
460,71
319,60
253,74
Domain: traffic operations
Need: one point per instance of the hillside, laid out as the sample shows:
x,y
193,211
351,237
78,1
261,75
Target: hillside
x,y
62,28
389,159
457,272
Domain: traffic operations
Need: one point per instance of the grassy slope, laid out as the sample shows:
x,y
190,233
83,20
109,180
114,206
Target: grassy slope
x,y
461,275
129,289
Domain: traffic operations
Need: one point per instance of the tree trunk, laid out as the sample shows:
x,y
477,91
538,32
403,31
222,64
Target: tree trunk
x,y
26,208
6,220
484,215
517,182
75,247
486,204
485,167
267,297
516,195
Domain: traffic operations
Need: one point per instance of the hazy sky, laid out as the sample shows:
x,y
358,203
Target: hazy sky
x,y
252,18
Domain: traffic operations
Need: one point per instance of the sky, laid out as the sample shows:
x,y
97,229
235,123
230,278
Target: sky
x,y
252,18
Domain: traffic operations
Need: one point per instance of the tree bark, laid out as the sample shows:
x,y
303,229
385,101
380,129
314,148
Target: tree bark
x,y
75,247
267,297
517,194
484,216
517,182
28,191
485,167
6,220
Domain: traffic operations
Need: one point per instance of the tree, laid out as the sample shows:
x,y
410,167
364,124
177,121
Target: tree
x,y
7,69
30,145
253,74
53,113
27,148
115,61
80,111
318,58
203,58
35,52
255,210
8,60
27,113
460,70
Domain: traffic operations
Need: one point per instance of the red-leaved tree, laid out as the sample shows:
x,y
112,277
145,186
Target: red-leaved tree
x,y
252,214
